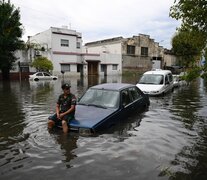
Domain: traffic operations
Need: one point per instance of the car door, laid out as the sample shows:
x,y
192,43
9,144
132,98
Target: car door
x,y
138,101
46,76
168,82
39,75
126,103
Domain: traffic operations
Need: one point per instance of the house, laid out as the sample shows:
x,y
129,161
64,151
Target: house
x,y
138,53
63,47
110,55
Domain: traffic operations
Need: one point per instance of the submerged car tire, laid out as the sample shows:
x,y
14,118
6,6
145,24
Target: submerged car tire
x,y
54,78
36,79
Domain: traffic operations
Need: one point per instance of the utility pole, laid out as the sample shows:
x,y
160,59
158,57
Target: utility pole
x,y
30,50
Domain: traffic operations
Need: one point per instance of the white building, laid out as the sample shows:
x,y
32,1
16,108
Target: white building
x,y
63,47
110,55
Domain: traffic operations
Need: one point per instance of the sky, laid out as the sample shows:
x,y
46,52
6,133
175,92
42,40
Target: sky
x,y
100,19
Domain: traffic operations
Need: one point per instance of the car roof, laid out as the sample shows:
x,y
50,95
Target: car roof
x,y
113,86
163,72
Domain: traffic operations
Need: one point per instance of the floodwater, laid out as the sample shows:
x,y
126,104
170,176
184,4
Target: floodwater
x,y
169,141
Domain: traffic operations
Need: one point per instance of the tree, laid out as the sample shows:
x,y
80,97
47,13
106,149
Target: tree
x,y
188,45
42,64
10,33
191,39
192,13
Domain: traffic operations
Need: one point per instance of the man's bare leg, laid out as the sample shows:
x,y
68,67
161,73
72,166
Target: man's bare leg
x,y
65,126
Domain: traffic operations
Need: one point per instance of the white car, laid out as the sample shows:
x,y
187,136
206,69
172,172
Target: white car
x,y
42,76
178,81
156,82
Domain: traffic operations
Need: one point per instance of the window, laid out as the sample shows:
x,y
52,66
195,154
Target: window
x,y
170,77
101,97
144,51
64,42
125,97
78,45
130,49
114,67
134,93
103,67
39,74
65,67
46,74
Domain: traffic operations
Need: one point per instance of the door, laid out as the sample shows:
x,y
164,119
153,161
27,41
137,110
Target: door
x,y
156,64
93,68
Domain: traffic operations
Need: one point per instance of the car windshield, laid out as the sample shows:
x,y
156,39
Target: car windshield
x,y
100,98
151,79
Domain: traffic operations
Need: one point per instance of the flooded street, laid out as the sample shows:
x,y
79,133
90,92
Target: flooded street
x,y
169,141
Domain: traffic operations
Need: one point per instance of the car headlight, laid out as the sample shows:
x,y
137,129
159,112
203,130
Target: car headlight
x,y
85,131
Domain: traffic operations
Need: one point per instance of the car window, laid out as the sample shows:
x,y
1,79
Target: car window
x,y
46,74
39,74
135,94
170,77
166,79
125,97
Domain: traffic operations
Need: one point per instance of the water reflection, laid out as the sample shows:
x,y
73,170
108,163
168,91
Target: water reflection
x,y
169,141
67,145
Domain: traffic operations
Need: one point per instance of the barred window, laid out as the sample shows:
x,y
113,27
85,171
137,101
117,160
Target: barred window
x,y
130,49
65,67
78,45
64,42
114,67
144,51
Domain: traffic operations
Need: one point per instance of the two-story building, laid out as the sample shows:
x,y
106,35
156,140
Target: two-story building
x,y
63,47
138,52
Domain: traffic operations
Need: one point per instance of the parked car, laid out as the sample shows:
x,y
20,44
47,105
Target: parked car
x,y
178,80
42,76
102,106
156,82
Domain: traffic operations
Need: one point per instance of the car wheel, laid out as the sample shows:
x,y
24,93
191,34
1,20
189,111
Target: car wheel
x,y
36,79
54,78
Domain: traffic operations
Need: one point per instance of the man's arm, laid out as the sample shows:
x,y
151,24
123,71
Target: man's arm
x,y
72,109
58,110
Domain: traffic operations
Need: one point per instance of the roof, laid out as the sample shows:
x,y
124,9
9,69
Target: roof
x,y
112,86
158,71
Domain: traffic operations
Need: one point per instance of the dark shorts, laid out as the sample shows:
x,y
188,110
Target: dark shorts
x,y
58,122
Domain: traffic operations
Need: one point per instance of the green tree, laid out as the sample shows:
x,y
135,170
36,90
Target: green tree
x,y
10,33
192,13
42,64
191,39
188,46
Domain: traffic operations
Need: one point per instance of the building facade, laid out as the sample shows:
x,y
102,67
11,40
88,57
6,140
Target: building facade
x,y
139,53
63,47
112,56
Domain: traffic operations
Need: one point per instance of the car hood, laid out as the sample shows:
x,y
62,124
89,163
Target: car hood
x,y
150,87
89,116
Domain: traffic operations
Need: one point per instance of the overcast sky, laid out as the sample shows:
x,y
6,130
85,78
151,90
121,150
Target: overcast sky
x,y
100,19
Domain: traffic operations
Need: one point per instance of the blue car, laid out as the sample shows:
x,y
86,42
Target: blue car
x,y
102,106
